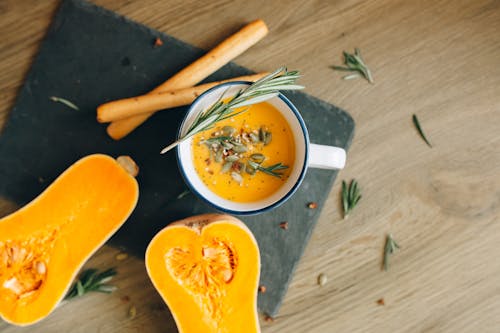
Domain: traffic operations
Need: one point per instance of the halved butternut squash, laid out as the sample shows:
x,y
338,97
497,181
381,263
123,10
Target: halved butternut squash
x,y
207,269
44,244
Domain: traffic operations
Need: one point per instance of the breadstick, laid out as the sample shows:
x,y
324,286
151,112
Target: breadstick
x,y
148,103
223,53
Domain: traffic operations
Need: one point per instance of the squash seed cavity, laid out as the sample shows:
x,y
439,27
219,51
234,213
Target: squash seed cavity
x,y
205,276
23,264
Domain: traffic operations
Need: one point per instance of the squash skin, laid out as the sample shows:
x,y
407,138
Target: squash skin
x,y
239,305
81,210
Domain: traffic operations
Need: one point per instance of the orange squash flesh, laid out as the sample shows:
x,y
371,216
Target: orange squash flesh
x,y
206,268
45,243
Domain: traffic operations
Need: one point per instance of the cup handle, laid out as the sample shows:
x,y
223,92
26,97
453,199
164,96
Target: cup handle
x,y
326,157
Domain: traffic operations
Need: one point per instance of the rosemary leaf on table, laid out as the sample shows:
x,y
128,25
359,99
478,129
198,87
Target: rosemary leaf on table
x,y
259,91
65,102
419,129
389,248
350,196
355,64
91,280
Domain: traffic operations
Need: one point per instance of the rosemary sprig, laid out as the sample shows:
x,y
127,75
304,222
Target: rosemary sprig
x,y
270,170
389,248
350,196
91,280
419,129
64,101
356,65
259,91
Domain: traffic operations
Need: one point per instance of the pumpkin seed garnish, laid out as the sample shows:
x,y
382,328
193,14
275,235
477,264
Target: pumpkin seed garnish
x,y
218,156
228,130
259,158
239,148
237,177
268,137
254,137
232,158
226,167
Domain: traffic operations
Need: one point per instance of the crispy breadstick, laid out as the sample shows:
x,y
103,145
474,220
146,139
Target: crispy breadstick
x,y
128,107
223,53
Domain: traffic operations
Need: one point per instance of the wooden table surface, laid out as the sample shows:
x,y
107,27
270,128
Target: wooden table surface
x,y
437,59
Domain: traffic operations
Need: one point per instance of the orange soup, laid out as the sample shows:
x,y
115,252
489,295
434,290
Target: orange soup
x,y
247,157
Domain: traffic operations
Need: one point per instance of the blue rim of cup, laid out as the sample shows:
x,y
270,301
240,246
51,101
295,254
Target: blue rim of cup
x,y
282,199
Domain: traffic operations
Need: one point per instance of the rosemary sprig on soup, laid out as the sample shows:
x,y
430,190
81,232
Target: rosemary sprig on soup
x,y
259,91
247,157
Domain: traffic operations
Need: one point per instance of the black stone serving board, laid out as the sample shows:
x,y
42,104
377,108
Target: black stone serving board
x,y
91,55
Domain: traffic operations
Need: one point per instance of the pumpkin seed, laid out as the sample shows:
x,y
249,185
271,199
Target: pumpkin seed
x,y
322,279
218,156
227,145
268,137
228,130
261,134
239,148
259,158
226,167
250,170
237,177
254,137
241,167
232,158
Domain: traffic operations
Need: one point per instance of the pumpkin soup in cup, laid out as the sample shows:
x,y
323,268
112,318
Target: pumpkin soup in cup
x,y
253,161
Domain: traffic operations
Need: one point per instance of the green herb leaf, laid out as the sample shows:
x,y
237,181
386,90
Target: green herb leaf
x,y
270,170
260,91
420,131
389,248
91,280
64,101
356,65
350,196
183,194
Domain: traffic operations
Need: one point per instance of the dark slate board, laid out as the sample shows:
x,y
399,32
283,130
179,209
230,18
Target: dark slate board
x,y
91,55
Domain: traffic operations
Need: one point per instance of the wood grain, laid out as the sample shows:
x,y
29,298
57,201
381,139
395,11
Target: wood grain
x,y
437,59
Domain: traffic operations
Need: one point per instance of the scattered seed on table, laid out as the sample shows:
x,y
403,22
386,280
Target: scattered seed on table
x,y
262,289
132,312
322,279
125,299
284,225
268,319
121,256
312,205
381,301
158,42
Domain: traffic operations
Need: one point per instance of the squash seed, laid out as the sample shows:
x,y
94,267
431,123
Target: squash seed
x,y
132,312
218,156
121,256
237,177
262,134
228,130
227,145
322,279
226,167
268,138
239,148
254,137
259,158
250,170
232,158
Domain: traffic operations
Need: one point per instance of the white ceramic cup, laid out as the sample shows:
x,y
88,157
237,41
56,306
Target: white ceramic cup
x,y
306,154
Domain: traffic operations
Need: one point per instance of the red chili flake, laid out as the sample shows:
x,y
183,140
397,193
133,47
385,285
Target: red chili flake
x,y
262,289
210,172
381,301
284,225
312,205
268,318
207,161
158,42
